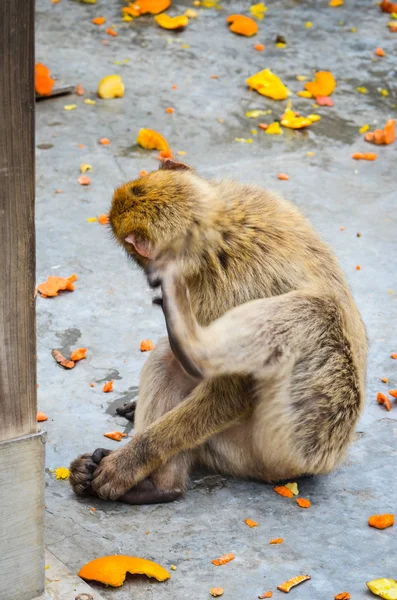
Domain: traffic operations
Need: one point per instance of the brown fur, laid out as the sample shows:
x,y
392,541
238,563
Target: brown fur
x,y
276,342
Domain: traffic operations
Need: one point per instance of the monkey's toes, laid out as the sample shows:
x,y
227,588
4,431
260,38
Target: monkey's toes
x,y
81,474
127,411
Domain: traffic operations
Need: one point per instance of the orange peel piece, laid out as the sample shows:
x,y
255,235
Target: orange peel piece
x,y
78,354
364,156
283,491
268,84
111,86
222,560
166,22
115,435
43,82
303,503
251,523
323,85
288,585
112,570
108,387
151,140
386,136
53,285
146,345
154,7
381,521
242,25
41,417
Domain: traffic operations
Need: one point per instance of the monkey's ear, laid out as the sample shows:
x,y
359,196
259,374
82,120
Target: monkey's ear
x,y
173,165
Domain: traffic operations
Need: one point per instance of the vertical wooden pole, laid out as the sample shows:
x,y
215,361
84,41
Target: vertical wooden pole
x,y
21,447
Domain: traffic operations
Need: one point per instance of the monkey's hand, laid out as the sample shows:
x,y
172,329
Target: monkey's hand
x,y
118,472
82,471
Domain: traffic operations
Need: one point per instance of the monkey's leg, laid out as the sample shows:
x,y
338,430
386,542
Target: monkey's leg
x,y
163,384
211,407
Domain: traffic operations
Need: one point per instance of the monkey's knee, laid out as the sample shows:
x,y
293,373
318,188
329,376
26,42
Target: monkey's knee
x,y
82,471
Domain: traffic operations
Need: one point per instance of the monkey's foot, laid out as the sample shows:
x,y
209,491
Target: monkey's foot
x,y
147,493
82,471
127,411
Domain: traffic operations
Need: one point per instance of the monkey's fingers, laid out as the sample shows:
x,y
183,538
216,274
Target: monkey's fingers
x,y
127,411
99,454
158,301
146,492
81,474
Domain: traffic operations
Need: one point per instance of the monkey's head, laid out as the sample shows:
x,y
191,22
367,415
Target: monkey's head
x,y
150,212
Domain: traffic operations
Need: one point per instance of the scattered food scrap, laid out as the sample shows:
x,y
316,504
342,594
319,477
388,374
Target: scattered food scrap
x,y
53,285
191,13
292,120
223,559
254,114
70,107
283,491
41,417
384,588
266,595
250,523
242,25
112,570
379,52
288,585
79,90
364,128
274,541
335,3
111,86
364,156
382,399
111,32
84,167
381,521
342,596
169,110
91,220
62,473
103,219
151,140
146,345
323,85
61,360
259,47
84,180
98,20
115,435
108,387
324,101
78,354
142,173
268,84
216,592
391,392
104,141
283,176
303,502
273,128
43,83
244,140
167,22
388,7
258,10
293,486
383,136
393,355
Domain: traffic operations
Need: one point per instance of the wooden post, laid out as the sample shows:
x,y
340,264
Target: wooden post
x,y
21,447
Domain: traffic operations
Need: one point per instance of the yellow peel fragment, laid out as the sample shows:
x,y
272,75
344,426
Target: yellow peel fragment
x,y
89,101
70,106
364,128
268,84
384,588
258,10
62,473
274,129
304,94
254,114
84,168
293,487
111,86
243,140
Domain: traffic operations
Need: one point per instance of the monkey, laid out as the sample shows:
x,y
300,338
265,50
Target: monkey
x,y
262,375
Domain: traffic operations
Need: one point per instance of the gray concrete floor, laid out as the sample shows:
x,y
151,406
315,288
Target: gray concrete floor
x,y
110,311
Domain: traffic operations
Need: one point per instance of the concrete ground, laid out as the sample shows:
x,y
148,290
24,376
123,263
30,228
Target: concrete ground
x,y
110,311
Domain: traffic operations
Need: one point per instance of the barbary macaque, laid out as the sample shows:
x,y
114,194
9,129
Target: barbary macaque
x,y
263,373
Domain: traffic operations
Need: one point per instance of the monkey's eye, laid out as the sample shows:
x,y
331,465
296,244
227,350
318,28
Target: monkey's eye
x,y
138,190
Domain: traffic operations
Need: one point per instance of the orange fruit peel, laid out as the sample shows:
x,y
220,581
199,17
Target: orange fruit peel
x,y
112,570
